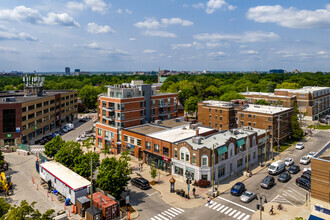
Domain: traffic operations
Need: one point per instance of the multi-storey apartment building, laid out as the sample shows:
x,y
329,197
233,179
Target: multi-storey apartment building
x,y
311,100
34,112
127,105
228,115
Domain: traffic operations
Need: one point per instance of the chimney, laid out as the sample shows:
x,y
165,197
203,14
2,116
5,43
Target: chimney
x,y
197,132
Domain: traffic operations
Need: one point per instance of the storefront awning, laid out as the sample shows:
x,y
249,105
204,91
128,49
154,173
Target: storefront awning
x,y
107,139
222,150
240,142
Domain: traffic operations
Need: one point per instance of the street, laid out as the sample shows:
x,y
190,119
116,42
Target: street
x,y
79,128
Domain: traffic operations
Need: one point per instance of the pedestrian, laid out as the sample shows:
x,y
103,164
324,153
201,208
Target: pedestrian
x,y
271,210
139,167
208,200
194,191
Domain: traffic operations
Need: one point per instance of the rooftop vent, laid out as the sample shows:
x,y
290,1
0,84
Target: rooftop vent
x,y
257,106
197,140
9,99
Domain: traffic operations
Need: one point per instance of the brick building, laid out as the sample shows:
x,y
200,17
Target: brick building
x,y
227,115
127,105
25,116
311,100
192,158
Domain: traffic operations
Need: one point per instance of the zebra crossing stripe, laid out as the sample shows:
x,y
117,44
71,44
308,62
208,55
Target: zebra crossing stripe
x,y
163,213
213,205
230,214
168,213
179,209
237,214
246,217
152,219
224,209
240,216
174,210
228,211
217,206
221,208
157,218
162,217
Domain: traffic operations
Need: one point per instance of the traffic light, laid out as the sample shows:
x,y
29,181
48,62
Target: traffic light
x,y
258,206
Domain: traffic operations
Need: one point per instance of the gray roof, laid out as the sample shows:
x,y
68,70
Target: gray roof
x,y
171,123
145,129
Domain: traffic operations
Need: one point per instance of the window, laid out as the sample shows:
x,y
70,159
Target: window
x,y
138,142
24,109
182,156
153,102
242,115
24,118
132,140
242,123
125,138
254,124
210,124
169,101
106,134
156,147
216,117
194,159
269,127
100,143
39,105
221,171
222,157
210,117
220,111
176,153
153,111
239,162
209,110
221,118
141,105
270,119
187,157
165,151
249,116
254,116
215,125
168,109
204,160
148,145
220,125
249,124
99,132
31,107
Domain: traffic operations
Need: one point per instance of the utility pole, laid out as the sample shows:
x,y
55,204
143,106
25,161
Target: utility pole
x,y
213,171
266,137
278,132
247,152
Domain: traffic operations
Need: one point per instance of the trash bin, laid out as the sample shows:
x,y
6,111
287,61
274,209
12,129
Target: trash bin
x,y
55,191
67,201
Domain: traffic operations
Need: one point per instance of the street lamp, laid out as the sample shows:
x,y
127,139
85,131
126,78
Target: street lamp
x,y
259,206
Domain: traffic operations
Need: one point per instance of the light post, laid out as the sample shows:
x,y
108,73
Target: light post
x,y
259,206
247,152
213,171
266,139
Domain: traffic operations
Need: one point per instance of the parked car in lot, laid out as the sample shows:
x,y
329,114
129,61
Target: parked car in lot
x,y
248,196
303,183
307,175
293,169
306,169
140,183
237,189
288,161
284,177
268,182
305,160
300,146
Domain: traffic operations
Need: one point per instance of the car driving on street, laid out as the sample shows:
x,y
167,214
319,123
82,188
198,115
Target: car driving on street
x,y
305,160
300,146
248,196
237,189
268,182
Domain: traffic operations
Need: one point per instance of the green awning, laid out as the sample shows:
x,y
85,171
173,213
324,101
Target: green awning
x,y
240,142
222,150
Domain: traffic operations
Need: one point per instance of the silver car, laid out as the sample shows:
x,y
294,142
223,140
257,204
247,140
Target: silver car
x,y
300,146
248,196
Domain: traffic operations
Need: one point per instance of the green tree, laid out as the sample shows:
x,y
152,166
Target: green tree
x,y
230,96
2,158
271,87
114,174
88,143
298,133
53,146
153,172
262,102
9,88
68,153
4,207
26,211
287,85
82,163
88,94
191,105
20,86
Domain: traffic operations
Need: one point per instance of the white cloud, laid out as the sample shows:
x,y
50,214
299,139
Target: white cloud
x,y
213,5
167,21
94,45
128,11
212,45
4,35
119,11
8,49
76,6
291,17
97,5
132,39
148,51
160,34
99,29
29,15
248,52
187,45
322,52
246,37
198,5
149,23
217,54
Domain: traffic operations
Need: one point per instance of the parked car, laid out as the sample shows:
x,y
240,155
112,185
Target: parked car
x,y
276,167
78,138
306,169
284,177
311,154
288,162
300,146
83,120
237,189
307,175
57,133
88,133
140,183
303,183
53,135
293,169
268,182
65,130
248,196
305,160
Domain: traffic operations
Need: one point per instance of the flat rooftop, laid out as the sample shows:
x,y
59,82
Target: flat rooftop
x,y
171,123
269,94
220,139
324,153
216,103
65,175
266,109
145,129
305,89
178,134
20,98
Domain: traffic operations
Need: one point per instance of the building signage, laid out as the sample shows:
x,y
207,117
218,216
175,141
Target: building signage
x,y
100,137
189,169
35,127
166,159
8,135
18,129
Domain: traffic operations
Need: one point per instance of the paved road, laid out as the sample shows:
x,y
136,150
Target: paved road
x,y
80,127
150,205
227,206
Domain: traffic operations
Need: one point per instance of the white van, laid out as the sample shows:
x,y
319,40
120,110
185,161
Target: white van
x,y
276,167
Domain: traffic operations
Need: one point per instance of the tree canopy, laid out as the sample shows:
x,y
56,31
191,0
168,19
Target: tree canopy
x,y
298,133
67,154
82,163
53,146
262,102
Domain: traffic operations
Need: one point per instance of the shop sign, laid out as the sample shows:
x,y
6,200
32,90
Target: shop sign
x,y
166,159
18,129
8,135
100,137
189,169
35,127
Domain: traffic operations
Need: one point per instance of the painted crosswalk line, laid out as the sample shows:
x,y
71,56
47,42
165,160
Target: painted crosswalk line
x,y
234,211
226,213
246,217
168,214
237,214
239,217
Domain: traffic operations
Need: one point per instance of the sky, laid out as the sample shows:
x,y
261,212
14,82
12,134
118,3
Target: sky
x,y
144,35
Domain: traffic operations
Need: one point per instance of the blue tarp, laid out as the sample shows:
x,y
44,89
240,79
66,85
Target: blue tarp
x,y
313,217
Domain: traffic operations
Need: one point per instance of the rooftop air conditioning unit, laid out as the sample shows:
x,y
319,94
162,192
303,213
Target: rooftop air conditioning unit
x,y
197,140
236,132
158,122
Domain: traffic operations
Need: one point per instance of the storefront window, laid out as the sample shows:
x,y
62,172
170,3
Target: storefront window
x,y
239,163
100,143
194,159
221,171
204,177
178,170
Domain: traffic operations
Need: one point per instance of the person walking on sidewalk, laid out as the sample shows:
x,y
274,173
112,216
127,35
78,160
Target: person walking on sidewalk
x,y
271,210
208,200
194,191
139,167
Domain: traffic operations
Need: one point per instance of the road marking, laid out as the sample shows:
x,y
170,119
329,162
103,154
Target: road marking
x,y
168,213
157,218
162,217
176,209
152,219
179,209
293,197
298,192
246,217
216,206
207,204
172,212
213,205
236,204
282,199
152,193
237,214
164,213
221,208
224,209
240,216
228,211
230,214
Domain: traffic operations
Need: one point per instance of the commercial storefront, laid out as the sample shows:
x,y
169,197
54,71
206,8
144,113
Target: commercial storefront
x,y
159,162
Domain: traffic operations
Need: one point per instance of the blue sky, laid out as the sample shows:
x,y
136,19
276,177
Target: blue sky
x,y
131,35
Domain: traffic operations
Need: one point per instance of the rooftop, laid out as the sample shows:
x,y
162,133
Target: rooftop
x,y
178,134
172,123
266,109
269,94
216,103
65,175
305,89
145,129
20,98
324,153
220,139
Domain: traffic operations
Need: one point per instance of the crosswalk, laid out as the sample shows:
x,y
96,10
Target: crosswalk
x,y
229,211
291,196
168,214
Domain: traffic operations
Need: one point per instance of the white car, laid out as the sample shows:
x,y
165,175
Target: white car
x,y
305,160
311,154
300,146
78,138
305,169
289,161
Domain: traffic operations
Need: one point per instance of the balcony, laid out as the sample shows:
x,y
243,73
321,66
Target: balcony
x,y
111,118
162,105
109,109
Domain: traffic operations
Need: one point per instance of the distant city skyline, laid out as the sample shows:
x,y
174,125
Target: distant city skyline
x,y
195,35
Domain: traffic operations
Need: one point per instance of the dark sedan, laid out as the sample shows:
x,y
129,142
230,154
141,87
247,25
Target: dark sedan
x,y
303,183
306,175
284,177
294,169
268,182
237,189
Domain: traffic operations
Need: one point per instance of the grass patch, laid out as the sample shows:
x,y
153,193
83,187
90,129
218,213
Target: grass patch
x,y
321,127
285,145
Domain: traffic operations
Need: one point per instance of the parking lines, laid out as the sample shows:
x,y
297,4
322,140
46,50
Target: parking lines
x,y
298,192
281,199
